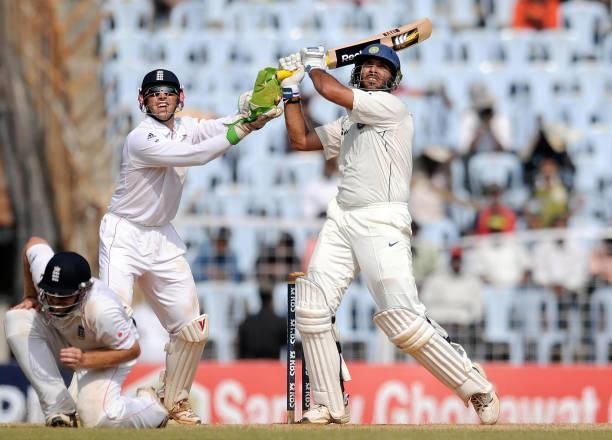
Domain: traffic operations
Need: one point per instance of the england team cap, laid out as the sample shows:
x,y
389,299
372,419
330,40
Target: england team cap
x,y
64,273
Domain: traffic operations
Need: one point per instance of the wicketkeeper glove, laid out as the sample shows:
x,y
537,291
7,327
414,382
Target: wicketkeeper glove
x,y
257,107
313,57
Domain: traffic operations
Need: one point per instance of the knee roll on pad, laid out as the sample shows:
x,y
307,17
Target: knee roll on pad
x,y
414,335
183,354
312,315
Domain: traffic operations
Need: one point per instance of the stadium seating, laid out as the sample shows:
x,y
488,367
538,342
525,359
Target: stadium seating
x,y
217,47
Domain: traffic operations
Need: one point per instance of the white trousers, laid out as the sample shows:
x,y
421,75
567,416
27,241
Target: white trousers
x,y
36,345
152,256
374,239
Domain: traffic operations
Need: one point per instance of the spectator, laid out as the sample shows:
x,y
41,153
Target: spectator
x,y
536,14
425,256
262,335
501,261
454,299
217,262
318,193
547,144
430,186
560,264
275,263
482,128
496,217
600,264
550,200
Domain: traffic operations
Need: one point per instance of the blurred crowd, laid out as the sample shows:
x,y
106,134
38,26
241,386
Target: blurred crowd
x,y
510,197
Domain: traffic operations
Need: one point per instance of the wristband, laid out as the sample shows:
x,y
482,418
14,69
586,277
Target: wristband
x,y
291,92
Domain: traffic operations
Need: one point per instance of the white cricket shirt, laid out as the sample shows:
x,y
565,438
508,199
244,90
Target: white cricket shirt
x,y
152,170
100,322
374,145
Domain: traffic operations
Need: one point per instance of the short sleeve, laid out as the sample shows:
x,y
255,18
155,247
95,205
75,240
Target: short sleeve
x,y
38,256
331,136
380,109
114,329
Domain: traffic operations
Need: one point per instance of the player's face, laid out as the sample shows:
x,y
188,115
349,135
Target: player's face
x,y
375,74
162,101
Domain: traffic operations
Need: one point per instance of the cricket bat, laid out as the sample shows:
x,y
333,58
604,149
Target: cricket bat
x,y
396,38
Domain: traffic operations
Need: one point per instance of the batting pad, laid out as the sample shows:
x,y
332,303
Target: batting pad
x,y
414,335
183,354
314,322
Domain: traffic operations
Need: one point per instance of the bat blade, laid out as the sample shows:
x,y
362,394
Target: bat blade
x,y
397,38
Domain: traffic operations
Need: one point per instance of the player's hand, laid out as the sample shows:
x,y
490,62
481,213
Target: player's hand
x,y
71,357
243,103
313,57
290,84
238,128
28,303
292,63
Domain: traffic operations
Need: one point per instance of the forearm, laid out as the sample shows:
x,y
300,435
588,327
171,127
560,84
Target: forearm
x,y
105,358
296,126
176,153
331,89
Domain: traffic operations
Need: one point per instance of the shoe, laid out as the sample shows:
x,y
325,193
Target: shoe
x,y
182,414
60,420
320,415
486,405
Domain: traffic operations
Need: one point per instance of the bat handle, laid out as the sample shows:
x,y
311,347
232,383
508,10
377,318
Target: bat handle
x,y
283,74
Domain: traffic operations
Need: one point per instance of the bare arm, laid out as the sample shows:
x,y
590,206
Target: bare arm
x,y
331,89
299,136
75,358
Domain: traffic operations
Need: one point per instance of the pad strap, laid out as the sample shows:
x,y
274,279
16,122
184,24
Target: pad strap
x,y
414,335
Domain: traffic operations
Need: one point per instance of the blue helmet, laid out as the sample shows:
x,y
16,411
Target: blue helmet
x,y
384,53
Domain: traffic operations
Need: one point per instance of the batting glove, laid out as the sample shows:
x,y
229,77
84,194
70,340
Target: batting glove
x,y
313,58
290,84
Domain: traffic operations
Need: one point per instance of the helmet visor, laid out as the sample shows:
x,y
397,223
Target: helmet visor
x,y
158,90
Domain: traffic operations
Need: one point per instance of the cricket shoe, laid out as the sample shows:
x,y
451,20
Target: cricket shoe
x,y
152,394
182,414
60,420
320,415
485,404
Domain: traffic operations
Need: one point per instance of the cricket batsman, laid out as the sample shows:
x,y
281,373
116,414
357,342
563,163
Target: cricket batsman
x,y
368,229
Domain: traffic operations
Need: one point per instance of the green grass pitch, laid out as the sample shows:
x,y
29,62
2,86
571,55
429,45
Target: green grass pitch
x,y
297,432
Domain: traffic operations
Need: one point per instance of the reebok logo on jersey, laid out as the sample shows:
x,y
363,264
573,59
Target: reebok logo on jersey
x,y
393,244
56,274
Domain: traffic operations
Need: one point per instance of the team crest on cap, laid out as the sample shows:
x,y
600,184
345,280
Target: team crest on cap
x,y
373,49
56,274
160,75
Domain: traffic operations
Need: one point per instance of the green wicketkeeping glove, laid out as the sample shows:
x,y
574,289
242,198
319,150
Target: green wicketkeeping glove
x,y
258,107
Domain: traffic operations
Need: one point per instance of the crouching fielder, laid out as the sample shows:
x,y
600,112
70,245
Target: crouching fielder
x,y
368,229
70,318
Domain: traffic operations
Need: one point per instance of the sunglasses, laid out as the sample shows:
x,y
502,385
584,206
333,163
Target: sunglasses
x,y
158,90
